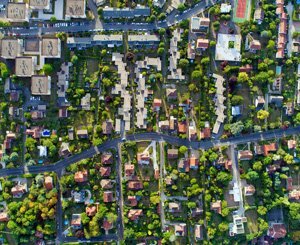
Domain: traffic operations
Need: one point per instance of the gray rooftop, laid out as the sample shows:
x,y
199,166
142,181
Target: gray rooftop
x,y
126,12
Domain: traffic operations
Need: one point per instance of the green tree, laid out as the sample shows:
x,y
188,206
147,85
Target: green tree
x,y
196,75
223,227
261,210
181,7
160,51
224,178
162,31
257,166
14,156
183,149
53,19
237,127
74,59
262,114
183,63
243,77
47,69
252,175
237,100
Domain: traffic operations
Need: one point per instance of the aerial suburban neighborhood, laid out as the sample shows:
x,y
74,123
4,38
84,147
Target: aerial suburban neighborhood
x,y
150,122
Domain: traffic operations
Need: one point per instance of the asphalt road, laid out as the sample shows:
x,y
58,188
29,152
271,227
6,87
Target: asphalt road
x,y
112,143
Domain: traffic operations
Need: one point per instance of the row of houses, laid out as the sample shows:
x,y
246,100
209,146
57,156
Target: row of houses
x,y
282,29
174,56
219,103
111,41
120,89
23,11
142,91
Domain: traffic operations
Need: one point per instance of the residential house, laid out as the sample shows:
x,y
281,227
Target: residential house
x,y
259,102
277,230
225,8
272,147
168,180
86,102
42,150
258,15
18,190
48,183
199,24
107,158
132,201
216,206
127,13
64,149
183,165
237,227
291,144
289,183
164,125
134,214
76,221
105,171
174,207
206,132
107,225
202,44
245,155
246,68
82,133
249,190
172,154
193,162
4,217
75,9
81,176
182,127
289,108
252,44
108,196
40,85
17,12
129,170
106,183
192,132
35,132
91,210
173,122
171,93
236,111
198,233
156,104
135,185
143,158
294,195
63,112
180,229
107,127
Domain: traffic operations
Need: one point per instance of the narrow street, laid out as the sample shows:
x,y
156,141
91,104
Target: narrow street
x,y
237,179
119,194
161,186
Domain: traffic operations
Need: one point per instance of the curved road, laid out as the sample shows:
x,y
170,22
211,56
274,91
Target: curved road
x,y
58,166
